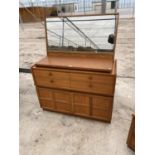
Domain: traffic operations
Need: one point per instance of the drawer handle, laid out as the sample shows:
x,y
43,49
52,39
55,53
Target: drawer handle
x,y
50,74
90,77
90,86
51,81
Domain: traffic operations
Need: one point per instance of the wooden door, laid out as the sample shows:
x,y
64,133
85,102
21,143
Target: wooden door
x,y
62,101
102,107
81,104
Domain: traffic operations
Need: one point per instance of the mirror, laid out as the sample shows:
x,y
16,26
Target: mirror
x,y
81,33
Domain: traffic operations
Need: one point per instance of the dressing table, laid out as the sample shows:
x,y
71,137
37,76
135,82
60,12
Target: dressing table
x,y
78,75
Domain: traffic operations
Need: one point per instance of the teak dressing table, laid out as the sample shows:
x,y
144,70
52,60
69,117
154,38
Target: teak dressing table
x,y
78,80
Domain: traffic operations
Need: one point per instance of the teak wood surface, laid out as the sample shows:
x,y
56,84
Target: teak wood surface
x,y
131,134
75,90
77,62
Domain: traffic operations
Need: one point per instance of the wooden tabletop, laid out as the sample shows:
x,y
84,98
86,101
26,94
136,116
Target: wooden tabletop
x,y
75,62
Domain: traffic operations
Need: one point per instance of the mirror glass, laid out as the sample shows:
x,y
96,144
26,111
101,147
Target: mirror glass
x,y
81,33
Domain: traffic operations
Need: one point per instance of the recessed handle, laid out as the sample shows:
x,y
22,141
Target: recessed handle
x,y
51,81
90,85
50,74
90,77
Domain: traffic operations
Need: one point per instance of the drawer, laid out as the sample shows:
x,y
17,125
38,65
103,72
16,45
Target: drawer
x,y
93,87
92,78
51,74
51,82
102,102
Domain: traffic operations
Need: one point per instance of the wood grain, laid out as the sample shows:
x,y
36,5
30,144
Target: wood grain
x,y
71,62
131,134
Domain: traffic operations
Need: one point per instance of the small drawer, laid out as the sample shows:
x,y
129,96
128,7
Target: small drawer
x,y
51,82
93,87
63,107
92,78
51,74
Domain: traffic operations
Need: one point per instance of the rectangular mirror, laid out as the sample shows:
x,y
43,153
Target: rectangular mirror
x,y
92,33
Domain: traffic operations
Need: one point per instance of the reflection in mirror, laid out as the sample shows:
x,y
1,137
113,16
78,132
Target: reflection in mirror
x,y
81,33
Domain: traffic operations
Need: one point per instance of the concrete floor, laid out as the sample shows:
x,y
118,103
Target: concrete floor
x,y
49,133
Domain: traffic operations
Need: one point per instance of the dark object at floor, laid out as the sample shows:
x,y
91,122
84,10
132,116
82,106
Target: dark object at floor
x,y
111,39
24,70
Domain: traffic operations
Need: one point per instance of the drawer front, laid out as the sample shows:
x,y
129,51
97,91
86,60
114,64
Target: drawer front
x,y
92,78
93,87
51,79
51,74
52,83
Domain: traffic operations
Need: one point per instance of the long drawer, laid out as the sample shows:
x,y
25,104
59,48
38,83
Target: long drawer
x,y
81,81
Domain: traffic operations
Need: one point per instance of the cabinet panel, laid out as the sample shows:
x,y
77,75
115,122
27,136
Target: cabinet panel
x,y
47,104
102,107
102,102
100,113
62,100
61,96
81,104
81,110
44,93
63,107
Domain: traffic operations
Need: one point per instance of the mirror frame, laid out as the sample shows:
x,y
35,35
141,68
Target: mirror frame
x,y
110,55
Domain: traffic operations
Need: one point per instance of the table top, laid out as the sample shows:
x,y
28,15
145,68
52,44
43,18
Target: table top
x,y
77,62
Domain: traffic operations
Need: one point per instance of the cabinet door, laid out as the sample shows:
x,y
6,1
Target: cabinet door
x,y
62,100
81,104
102,107
45,98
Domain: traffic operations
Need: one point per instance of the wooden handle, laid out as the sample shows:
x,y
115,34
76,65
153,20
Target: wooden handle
x,y
90,77
90,86
51,81
50,74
